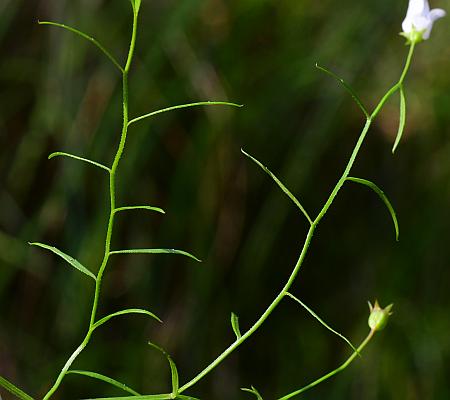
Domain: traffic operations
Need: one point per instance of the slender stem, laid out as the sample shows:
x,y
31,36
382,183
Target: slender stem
x,y
308,238
109,232
335,371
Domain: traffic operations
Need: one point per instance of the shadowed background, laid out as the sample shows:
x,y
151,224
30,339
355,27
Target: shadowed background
x,y
58,93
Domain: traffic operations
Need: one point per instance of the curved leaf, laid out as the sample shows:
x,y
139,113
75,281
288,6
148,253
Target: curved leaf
x,y
401,126
86,160
124,312
157,209
106,379
173,368
156,251
235,325
166,396
253,391
72,261
7,385
280,184
383,197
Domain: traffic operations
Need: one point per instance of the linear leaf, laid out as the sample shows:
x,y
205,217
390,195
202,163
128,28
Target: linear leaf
x,y
124,312
280,184
201,103
61,154
173,368
383,197
106,379
322,322
235,325
156,251
87,37
157,209
346,87
253,391
401,126
166,396
20,394
74,263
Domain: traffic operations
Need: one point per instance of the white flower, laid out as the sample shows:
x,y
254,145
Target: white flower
x,y
419,20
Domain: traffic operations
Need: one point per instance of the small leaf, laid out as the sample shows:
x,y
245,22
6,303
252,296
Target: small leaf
x,y
106,379
156,251
166,396
74,263
322,322
7,385
401,126
124,312
280,184
173,368
61,154
253,391
383,197
157,209
235,325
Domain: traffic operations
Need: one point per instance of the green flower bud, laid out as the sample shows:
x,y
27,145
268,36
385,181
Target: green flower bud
x,y
378,317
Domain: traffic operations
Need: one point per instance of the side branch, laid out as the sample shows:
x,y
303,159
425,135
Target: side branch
x,y
86,160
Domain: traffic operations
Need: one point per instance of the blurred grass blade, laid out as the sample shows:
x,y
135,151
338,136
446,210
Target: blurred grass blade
x,y
124,312
166,396
235,325
74,263
156,251
7,385
106,379
383,197
346,87
281,185
157,209
87,37
401,126
202,103
253,391
322,322
173,368
61,154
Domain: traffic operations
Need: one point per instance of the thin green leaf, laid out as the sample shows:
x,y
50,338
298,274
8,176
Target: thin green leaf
x,y
280,184
173,368
59,154
124,312
20,394
401,126
202,103
182,397
87,37
346,87
322,322
253,391
139,208
383,197
106,379
74,263
235,325
166,396
156,251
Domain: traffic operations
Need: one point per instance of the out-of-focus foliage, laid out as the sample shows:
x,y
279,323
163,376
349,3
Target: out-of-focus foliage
x,y
59,93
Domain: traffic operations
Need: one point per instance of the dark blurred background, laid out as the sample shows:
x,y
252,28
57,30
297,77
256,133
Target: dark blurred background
x,y
58,93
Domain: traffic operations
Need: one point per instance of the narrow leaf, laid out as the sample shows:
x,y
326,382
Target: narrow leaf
x,y
401,126
166,396
280,184
383,197
74,263
87,37
124,312
61,154
202,103
7,385
346,87
156,251
235,325
253,391
139,208
173,368
106,379
322,322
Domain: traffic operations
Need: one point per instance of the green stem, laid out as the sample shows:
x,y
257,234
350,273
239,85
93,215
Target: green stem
x,y
308,238
112,194
334,372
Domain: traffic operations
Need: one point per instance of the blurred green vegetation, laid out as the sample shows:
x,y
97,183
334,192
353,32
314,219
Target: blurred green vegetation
x,y
60,94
